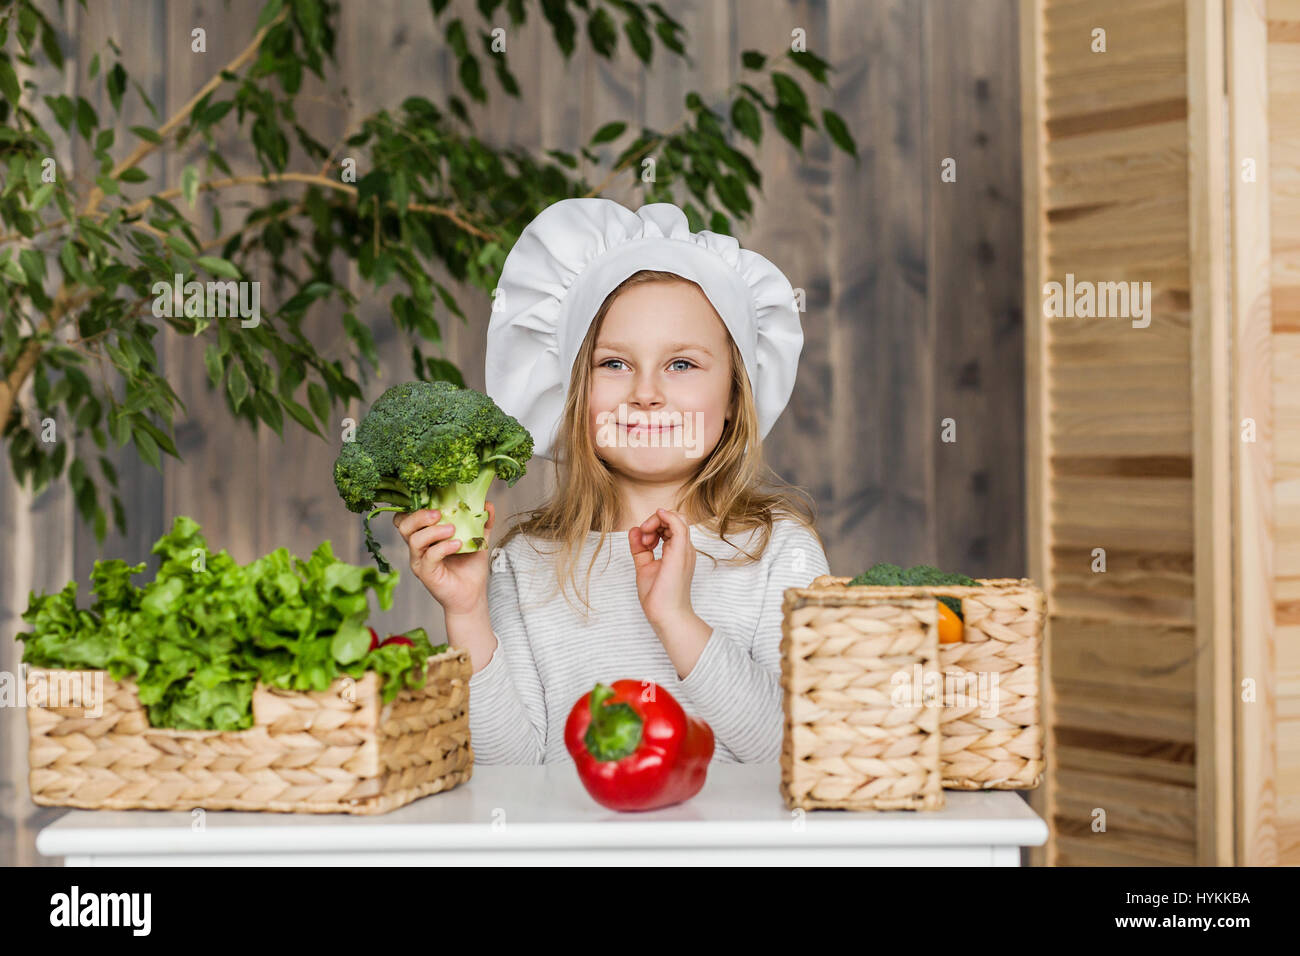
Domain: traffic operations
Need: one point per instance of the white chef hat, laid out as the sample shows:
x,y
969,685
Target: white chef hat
x,y
575,252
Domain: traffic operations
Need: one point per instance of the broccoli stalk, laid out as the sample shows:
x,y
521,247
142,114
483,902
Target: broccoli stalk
x,y
463,505
431,445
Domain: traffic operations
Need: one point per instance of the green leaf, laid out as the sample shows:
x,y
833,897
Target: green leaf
x,y
319,400
361,336
116,83
745,117
50,44
269,12
790,93
110,472
133,174
440,370
812,63
180,246
42,196
301,415
839,132
351,640
86,118
216,368
218,266
146,134
789,124
639,39
609,131
119,426
668,36
147,447
33,264
602,32
237,384
753,60
190,184
9,80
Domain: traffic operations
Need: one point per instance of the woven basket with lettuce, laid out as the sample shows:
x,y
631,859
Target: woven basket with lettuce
x,y
238,687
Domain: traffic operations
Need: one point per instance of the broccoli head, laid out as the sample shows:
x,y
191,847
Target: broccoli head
x,y
431,445
921,575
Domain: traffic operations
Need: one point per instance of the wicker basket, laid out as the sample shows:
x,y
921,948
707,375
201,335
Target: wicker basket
x,y
849,744
990,722
339,750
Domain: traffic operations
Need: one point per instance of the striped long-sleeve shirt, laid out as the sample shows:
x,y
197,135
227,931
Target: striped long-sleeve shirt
x,y
548,654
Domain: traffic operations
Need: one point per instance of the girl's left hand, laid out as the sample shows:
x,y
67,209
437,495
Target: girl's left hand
x,y
663,584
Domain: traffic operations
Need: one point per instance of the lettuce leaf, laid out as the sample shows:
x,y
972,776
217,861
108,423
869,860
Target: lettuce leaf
x,y
201,634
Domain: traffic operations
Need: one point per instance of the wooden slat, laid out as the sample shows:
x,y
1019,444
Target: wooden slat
x,y
1171,161
1145,806
1161,716
1123,848
976,337
1121,142
1136,38
1037,433
1138,758
1135,656
1149,219
1162,262
1279,645
1124,608
1123,189
1089,13
1214,434
1127,25
898,455
1136,69
1253,537
1098,97
1157,504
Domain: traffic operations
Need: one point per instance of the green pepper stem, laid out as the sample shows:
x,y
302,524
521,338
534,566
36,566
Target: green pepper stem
x,y
615,729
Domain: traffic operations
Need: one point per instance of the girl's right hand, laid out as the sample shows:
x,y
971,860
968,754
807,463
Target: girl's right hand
x,y
457,581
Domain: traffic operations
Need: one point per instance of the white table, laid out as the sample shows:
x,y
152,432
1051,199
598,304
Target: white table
x,y
542,815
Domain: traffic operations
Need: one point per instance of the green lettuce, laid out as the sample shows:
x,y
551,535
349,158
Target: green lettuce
x,y
201,634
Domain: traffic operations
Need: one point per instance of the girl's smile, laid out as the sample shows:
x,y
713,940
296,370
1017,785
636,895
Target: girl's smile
x,y
647,428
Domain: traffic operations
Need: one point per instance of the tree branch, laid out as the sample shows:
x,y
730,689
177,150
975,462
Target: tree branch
x,y
31,353
313,179
144,148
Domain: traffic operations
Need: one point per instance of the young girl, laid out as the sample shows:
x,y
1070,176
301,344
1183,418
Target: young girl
x,y
648,362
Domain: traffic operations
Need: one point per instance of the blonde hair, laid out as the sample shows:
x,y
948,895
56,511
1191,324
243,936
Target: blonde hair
x,y
724,495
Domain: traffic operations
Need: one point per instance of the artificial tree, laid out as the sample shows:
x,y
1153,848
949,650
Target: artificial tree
x,y
80,261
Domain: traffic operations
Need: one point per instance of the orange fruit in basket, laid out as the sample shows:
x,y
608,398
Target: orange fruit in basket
x,y
950,626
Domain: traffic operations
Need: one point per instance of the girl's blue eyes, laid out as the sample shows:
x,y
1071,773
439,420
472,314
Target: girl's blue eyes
x,y
605,363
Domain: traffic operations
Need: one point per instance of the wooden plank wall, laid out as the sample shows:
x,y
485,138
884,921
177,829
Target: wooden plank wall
x,y
1116,436
914,288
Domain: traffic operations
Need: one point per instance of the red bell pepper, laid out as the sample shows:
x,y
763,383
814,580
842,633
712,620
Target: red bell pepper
x,y
636,748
